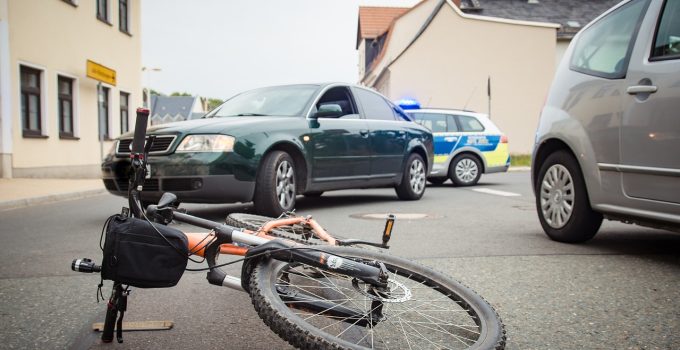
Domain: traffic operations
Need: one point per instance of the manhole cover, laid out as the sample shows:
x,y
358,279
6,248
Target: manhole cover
x,y
398,216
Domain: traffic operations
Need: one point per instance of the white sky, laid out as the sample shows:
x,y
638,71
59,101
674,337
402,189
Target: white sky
x,y
216,48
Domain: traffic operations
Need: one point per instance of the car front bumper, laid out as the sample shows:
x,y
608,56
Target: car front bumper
x,y
194,178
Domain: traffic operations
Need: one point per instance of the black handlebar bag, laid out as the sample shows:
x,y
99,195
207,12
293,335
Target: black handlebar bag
x,y
143,255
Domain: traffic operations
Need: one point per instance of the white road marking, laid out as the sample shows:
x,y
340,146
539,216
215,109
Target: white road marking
x,y
496,192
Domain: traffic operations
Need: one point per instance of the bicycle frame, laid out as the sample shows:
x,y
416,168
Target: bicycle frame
x,y
224,239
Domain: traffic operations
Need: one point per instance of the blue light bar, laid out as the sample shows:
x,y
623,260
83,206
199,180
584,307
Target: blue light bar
x,y
408,104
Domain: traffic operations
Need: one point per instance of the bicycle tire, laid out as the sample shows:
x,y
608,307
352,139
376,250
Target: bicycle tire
x,y
297,233
481,327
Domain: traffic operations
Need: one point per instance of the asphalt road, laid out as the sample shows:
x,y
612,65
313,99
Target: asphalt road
x,y
620,290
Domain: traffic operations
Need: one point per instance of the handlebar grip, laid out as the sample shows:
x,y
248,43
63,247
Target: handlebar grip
x,y
140,130
109,323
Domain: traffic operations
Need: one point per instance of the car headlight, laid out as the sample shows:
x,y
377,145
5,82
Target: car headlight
x,y
206,143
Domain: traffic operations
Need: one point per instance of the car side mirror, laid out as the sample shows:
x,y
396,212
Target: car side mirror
x,y
330,110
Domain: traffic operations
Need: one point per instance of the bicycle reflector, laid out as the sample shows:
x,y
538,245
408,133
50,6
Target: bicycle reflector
x,y
387,233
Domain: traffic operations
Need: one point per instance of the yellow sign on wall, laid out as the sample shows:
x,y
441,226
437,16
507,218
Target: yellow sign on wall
x,y
101,73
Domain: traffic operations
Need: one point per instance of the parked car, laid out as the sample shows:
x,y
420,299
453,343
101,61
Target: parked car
x,y
466,144
608,138
271,144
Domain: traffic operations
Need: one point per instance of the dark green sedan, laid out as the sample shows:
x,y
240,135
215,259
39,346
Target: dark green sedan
x,y
271,144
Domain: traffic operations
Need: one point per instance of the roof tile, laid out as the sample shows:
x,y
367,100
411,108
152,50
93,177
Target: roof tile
x,y
374,21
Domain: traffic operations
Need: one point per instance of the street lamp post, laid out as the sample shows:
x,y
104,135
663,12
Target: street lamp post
x,y
145,90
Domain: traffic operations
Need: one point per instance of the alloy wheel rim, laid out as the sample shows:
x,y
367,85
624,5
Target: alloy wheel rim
x,y
557,196
417,176
285,184
466,170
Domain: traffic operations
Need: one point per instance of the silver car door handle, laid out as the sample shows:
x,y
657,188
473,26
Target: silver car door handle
x,y
641,89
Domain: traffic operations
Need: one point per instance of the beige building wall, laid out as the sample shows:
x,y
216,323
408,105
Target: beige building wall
x,y
59,38
403,31
448,67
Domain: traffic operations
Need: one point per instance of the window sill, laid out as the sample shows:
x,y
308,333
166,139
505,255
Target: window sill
x,y
126,33
104,20
34,136
68,137
70,2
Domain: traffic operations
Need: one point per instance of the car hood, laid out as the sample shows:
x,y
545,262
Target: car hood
x,y
234,126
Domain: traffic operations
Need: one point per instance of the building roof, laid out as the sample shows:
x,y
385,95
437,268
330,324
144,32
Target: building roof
x,y
374,21
441,4
571,15
172,105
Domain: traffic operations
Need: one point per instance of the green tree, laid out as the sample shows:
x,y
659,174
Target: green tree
x,y
180,94
214,102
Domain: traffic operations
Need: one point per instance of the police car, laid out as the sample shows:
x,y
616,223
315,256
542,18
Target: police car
x,y
466,144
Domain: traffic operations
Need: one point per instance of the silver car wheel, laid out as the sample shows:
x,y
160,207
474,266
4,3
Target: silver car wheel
x,y
557,196
285,184
466,170
417,176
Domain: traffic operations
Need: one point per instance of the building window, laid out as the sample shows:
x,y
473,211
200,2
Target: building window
x,y
31,109
124,112
65,107
123,16
103,10
104,114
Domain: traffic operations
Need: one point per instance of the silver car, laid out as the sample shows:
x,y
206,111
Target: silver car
x,y
608,140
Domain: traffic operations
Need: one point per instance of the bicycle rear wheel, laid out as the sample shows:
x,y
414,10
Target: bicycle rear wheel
x,y
424,309
298,233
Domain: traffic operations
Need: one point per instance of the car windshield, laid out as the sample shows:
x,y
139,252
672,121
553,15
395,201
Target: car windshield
x,y
271,101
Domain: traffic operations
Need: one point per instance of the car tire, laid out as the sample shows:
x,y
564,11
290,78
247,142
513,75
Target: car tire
x,y
275,189
562,201
413,179
437,180
465,170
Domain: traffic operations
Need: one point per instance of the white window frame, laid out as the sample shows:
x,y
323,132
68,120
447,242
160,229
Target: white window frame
x,y
129,95
112,91
76,101
44,91
108,18
128,14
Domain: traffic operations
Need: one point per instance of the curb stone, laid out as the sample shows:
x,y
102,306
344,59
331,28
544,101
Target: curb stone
x,y
27,202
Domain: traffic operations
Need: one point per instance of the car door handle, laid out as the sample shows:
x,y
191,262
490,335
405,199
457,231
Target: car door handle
x,y
641,89
363,133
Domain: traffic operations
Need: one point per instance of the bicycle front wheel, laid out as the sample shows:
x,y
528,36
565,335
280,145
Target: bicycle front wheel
x,y
423,309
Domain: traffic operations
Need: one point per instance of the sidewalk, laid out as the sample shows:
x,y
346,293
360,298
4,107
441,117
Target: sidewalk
x,y
18,193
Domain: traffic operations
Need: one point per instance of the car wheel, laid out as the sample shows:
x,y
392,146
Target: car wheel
x,y
465,170
562,200
275,186
412,184
437,180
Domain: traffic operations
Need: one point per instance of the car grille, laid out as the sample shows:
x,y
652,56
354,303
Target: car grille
x,y
161,144
151,185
